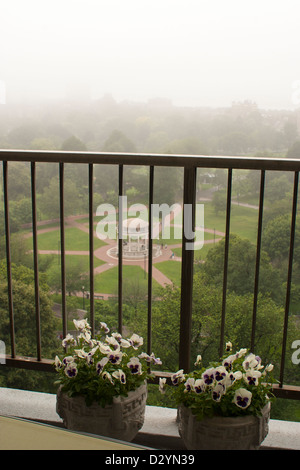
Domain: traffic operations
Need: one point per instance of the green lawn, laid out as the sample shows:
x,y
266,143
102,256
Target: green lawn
x,y
243,223
107,282
243,220
75,240
74,260
171,269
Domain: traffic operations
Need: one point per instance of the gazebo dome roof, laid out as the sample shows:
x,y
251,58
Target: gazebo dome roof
x,y
135,226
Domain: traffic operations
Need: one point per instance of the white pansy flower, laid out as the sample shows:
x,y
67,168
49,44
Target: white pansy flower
x,y
68,340
104,327
228,361
106,375
220,373
242,398
115,357
81,325
112,342
57,363
136,341
135,366
124,343
104,348
199,386
162,383
209,376
178,377
250,362
217,392
198,360
67,359
101,364
155,360
118,336
119,374
71,370
251,377
232,377
241,352
189,384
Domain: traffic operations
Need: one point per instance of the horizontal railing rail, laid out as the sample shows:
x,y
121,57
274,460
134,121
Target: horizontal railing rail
x,y
190,164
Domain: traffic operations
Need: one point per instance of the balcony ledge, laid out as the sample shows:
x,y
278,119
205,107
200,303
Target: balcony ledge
x,y
159,431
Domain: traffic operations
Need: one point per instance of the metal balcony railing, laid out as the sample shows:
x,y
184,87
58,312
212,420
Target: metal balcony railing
x,y
190,164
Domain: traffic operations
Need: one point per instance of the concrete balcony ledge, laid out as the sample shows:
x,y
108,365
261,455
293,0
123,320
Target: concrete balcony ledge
x,y
159,431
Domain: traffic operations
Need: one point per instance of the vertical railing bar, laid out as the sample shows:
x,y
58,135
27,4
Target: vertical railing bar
x,y
91,246
62,248
187,269
225,272
289,277
35,262
150,261
258,251
8,260
120,252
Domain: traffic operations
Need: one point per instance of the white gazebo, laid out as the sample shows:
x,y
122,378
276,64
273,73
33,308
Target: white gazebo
x,y
135,236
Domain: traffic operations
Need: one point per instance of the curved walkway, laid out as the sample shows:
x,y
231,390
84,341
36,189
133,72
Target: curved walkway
x,y
109,262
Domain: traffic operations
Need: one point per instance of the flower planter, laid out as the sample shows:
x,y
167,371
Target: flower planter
x,y
121,420
222,433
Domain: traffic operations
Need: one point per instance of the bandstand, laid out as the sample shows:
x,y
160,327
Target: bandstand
x,y
135,236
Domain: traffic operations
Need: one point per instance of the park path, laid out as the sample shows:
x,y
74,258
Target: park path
x,y
110,262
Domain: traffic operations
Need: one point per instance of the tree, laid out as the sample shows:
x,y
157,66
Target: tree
x,y
294,150
167,193
241,268
76,277
118,142
279,187
50,203
19,185
187,146
42,143
19,250
219,201
25,326
276,240
73,143
134,293
206,322
235,143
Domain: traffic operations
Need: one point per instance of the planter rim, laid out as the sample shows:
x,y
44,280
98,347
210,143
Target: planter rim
x,y
117,399
229,419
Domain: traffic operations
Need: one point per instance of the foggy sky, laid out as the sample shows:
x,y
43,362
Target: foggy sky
x,y
194,52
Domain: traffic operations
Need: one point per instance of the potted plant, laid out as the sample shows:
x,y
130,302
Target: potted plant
x,y
225,405
102,382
